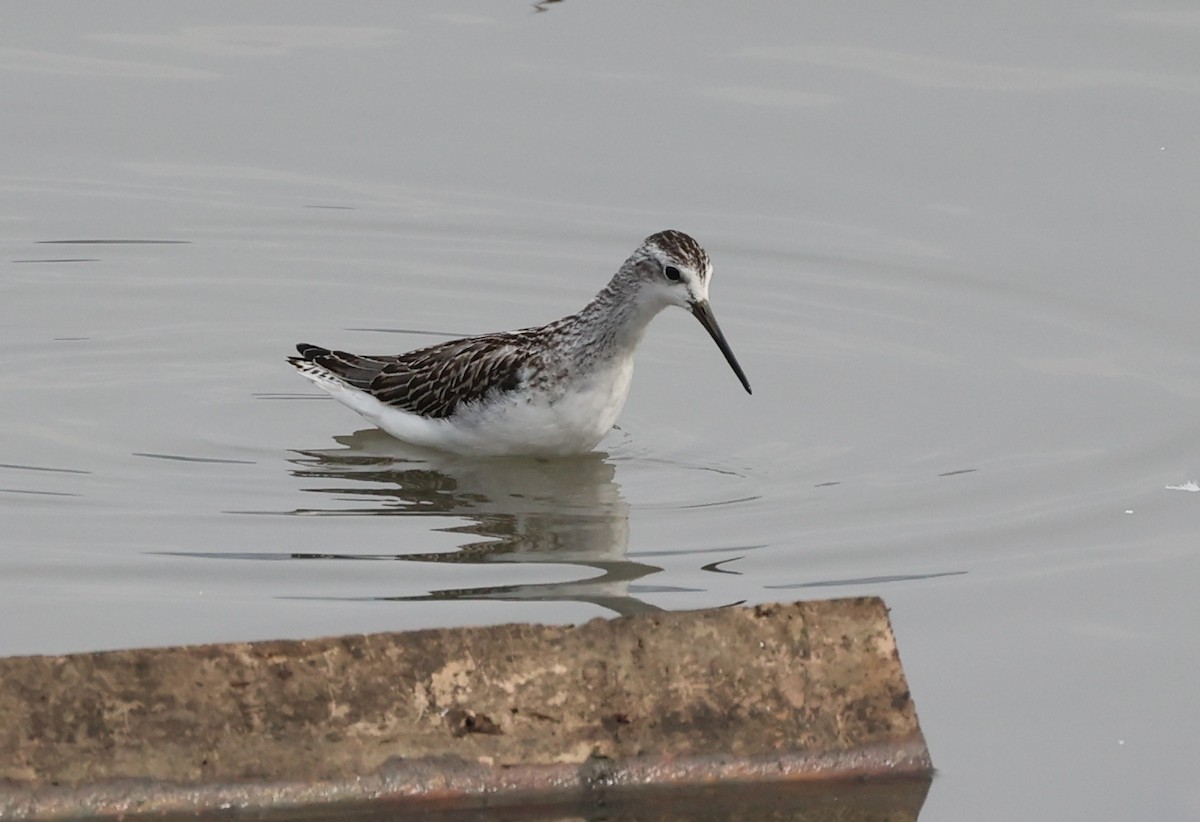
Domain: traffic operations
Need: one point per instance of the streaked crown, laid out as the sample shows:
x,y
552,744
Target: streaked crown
x,y
682,248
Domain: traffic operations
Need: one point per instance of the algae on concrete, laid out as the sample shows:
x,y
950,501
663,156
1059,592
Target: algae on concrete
x,y
802,690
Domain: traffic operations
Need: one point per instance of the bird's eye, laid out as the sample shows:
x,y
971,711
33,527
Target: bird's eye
x,y
672,273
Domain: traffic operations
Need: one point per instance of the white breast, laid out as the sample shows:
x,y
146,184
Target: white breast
x,y
553,421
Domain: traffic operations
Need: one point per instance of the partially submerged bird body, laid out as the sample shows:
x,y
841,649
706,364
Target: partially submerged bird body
x,y
551,390
525,410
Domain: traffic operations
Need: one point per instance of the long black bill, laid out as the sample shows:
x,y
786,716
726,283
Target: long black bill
x,y
704,314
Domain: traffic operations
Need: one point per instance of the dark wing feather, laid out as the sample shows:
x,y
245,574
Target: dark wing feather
x,y
352,369
435,381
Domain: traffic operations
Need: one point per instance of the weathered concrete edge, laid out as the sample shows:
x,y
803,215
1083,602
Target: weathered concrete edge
x,y
449,783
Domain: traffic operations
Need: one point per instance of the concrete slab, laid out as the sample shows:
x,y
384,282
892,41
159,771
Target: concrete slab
x,y
801,691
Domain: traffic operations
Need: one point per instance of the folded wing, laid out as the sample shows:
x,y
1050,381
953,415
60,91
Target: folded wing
x,y
431,382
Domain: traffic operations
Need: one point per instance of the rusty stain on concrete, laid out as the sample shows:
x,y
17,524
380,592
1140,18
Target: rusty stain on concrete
x,y
806,690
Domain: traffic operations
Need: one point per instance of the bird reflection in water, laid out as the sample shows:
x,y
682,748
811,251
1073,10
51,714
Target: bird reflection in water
x,y
560,511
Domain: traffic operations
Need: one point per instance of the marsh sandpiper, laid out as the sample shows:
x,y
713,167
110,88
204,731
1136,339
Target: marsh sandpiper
x,y
552,390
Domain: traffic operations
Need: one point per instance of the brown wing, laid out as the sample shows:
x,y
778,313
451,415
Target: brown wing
x,y
435,381
352,369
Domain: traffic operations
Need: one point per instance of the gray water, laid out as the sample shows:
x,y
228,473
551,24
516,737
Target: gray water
x,y
956,251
